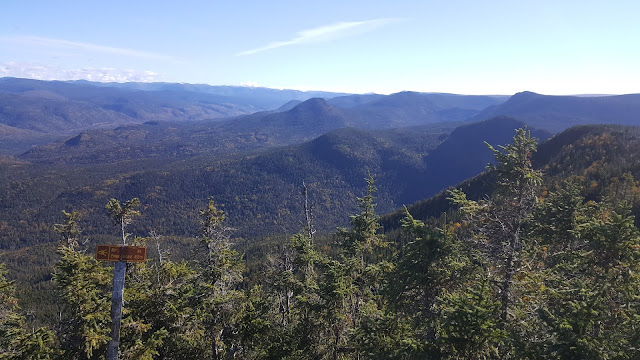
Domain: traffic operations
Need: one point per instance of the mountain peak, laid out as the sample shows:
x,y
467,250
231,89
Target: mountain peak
x,y
315,106
524,95
526,92
314,102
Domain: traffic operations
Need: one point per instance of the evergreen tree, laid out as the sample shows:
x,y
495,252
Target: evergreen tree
x,y
159,322
216,287
291,283
355,282
590,287
16,343
429,264
123,214
467,323
83,285
497,223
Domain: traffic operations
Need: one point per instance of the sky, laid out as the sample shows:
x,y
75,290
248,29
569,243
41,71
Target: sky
x,y
554,47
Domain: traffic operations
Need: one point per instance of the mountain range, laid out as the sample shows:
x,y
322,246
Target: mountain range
x,y
302,122
116,140
556,113
74,145
260,190
33,112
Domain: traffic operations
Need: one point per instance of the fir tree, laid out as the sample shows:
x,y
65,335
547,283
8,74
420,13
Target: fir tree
x,y
16,343
216,289
83,285
497,223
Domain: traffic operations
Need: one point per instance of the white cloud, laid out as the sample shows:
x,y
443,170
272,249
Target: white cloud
x,y
43,42
324,34
47,72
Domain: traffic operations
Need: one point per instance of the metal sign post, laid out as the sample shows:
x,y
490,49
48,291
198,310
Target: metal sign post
x,y
122,255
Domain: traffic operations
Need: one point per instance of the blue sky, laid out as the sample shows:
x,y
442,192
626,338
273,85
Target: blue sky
x,y
457,46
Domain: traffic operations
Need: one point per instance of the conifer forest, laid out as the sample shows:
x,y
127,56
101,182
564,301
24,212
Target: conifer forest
x,y
532,259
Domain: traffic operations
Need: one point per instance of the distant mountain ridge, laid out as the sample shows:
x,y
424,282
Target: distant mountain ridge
x,y
302,122
50,109
261,97
557,113
160,119
35,112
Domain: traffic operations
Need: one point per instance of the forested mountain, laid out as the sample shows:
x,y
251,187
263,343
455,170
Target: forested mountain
x,y
305,121
33,111
556,113
537,258
302,122
37,112
601,159
261,190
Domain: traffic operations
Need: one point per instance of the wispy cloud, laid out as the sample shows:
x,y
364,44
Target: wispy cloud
x,y
44,42
324,34
47,72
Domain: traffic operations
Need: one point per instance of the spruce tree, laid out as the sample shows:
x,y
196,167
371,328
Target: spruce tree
x,y
497,226
590,283
16,343
216,289
83,285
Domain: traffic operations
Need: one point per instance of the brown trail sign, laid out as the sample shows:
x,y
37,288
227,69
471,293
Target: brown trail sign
x,y
121,253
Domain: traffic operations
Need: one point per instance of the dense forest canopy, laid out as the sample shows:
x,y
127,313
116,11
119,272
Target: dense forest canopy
x,y
259,189
544,264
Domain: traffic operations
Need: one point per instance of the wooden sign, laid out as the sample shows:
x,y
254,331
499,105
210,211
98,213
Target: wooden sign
x,y
121,253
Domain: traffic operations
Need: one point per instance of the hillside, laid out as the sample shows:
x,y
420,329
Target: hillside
x,y
556,113
601,159
260,190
